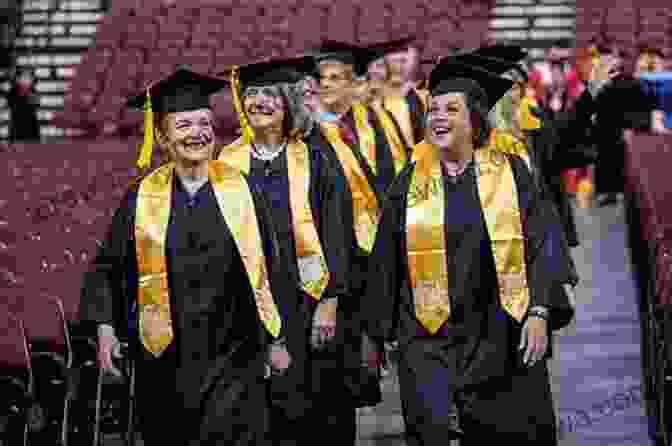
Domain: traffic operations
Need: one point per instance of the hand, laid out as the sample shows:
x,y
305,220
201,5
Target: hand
x,y
534,337
607,69
324,323
108,348
279,359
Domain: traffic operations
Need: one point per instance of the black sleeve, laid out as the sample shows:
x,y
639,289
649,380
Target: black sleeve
x,y
335,234
104,298
548,263
385,269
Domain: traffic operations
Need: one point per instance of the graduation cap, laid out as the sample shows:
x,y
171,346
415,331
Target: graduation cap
x,y
183,90
450,76
272,71
264,73
383,48
497,59
359,58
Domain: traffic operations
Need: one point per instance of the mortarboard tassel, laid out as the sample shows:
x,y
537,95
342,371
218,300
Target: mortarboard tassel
x,y
526,116
145,157
247,134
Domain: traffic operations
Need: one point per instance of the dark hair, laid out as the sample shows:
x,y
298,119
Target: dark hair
x,y
478,115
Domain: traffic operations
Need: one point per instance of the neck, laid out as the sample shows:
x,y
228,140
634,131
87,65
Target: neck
x,y
459,155
339,108
269,137
192,171
402,87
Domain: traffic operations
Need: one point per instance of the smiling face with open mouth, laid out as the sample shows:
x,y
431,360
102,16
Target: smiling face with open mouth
x,y
264,106
189,136
449,124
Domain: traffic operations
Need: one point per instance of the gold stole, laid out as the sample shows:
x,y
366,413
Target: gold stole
x,y
364,202
425,220
394,140
366,135
151,225
398,107
313,269
503,141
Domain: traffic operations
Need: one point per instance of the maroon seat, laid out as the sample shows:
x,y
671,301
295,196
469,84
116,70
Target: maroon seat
x,y
200,59
173,35
15,369
233,55
140,33
342,22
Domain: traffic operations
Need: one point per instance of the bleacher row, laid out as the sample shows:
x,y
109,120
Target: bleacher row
x,y
139,42
650,239
56,203
627,22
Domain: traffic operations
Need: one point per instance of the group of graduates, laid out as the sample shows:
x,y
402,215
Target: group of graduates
x,y
258,283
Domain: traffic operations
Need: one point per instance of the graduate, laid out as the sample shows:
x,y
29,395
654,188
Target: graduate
x,y
308,200
466,255
184,277
404,98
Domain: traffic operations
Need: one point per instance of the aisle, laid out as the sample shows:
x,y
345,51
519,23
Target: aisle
x,y
596,372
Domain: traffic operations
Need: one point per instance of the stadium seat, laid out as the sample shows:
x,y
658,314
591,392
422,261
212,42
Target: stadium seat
x,y
16,381
52,359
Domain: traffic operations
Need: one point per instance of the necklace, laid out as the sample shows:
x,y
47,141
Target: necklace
x,y
267,152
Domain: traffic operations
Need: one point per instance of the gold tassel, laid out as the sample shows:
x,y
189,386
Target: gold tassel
x,y
526,118
145,157
247,133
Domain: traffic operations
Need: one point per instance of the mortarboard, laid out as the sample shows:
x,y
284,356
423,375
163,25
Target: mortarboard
x,y
383,48
450,76
497,59
264,73
273,71
348,54
183,90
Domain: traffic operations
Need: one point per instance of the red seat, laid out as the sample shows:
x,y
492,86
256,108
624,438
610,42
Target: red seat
x,y
342,22
51,357
140,34
173,35
16,375
200,59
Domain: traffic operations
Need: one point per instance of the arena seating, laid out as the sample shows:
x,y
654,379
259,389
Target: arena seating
x,y
627,22
650,221
138,42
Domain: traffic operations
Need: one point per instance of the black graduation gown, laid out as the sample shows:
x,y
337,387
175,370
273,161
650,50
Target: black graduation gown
x,y
24,125
366,387
315,380
472,361
624,104
207,387
418,118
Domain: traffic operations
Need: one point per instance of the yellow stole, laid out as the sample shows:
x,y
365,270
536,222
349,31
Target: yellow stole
x,y
365,206
313,270
425,220
398,107
151,225
394,140
503,141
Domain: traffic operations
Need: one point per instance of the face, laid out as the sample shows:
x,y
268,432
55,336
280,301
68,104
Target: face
x,y
400,65
310,93
188,137
377,71
448,121
649,63
516,93
335,80
265,107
